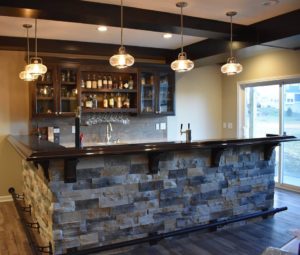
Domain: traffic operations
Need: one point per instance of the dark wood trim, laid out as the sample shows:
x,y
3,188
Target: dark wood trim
x,y
84,48
70,170
32,148
45,166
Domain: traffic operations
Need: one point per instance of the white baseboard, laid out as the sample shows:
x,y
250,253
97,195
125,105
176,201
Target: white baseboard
x,y
6,198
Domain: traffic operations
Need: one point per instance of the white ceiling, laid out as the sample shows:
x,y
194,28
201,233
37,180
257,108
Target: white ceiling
x,y
47,29
249,11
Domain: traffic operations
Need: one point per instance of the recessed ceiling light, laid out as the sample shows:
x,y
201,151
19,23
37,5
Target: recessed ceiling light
x,y
270,2
167,35
102,28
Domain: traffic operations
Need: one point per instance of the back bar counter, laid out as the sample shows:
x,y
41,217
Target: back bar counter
x,y
106,196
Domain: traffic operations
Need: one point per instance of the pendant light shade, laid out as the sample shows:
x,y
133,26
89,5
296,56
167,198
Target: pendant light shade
x,y
122,59
182,64
232,67
36,66
25,75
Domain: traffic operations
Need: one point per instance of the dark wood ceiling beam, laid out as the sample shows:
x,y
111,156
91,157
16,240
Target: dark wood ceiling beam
x,y
83,48
277,28
107,14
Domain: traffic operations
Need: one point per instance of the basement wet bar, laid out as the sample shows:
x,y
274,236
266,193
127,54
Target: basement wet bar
x,y
101,196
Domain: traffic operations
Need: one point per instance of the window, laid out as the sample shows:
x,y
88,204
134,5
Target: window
x,y
274,108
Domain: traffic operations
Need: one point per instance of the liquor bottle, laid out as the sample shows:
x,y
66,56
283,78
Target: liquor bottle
x,y
89,102
82,84
63,77
94,82
119,101
110,83
104,82
105,101
88,82
115,83
68,76
120,83
126,102
111,101
99,82
130,82
94,102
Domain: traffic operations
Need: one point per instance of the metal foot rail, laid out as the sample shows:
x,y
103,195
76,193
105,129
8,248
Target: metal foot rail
x,y
35,249
153,238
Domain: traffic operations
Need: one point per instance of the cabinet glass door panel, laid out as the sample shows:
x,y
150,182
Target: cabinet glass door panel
x,y
45,100
68,90
147,92
165,99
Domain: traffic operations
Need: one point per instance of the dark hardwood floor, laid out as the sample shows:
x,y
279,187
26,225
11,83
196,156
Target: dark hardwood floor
x,y
250,239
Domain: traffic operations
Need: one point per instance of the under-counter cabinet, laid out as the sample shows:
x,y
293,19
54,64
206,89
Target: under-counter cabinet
x,y
157,92
56,92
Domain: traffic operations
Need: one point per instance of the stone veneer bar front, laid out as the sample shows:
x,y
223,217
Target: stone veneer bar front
x,y
116,198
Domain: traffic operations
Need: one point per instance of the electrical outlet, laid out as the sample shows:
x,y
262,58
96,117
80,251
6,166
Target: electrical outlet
x,y
73,129
163,126
224,125
230,125
157,126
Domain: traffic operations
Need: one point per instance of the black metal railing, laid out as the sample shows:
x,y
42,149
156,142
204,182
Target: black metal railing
x,y
152,238
29,226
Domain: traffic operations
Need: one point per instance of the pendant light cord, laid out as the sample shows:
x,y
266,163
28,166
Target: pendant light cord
x,y
121,23
231,36
35,29
27,28
181,28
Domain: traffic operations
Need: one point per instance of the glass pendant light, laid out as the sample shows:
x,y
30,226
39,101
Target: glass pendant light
x,y
231,67
182,64
25,75
36,66
122,59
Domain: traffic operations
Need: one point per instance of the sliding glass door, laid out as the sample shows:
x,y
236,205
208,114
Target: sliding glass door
x,y
275,109
291,126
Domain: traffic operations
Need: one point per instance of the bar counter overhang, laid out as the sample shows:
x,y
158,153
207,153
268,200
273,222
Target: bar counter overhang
x,y
101,196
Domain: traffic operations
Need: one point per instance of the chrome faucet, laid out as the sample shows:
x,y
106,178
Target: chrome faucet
x,y
108,132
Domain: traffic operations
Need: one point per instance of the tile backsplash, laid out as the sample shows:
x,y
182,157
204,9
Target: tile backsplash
x,y
138,129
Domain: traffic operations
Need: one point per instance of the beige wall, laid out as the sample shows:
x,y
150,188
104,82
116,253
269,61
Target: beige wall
x,y
14,115
198,101
280,63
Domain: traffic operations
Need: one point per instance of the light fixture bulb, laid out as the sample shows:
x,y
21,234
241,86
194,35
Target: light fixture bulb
x,y
36,67
167,35
26,76
122,59
182,64
232,67
102,28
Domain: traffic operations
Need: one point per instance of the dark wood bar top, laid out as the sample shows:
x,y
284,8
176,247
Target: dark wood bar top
x,y
33,149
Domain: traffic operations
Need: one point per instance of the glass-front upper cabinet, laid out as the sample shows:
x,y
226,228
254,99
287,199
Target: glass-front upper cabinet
x,y
166,88
68,98
56,92
157,92
44,90
147,90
